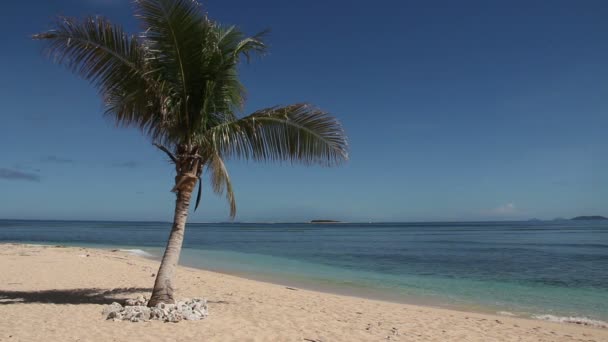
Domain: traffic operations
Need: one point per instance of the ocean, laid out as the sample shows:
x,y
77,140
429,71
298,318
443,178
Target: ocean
x,y
554,270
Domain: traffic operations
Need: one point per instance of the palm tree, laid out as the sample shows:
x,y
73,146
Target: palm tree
x,y
178,82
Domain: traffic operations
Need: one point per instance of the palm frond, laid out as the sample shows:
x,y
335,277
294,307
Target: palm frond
x,y
97,50
224,95
233,41
296,133
115,63
169,154
198,194
175,31
220,181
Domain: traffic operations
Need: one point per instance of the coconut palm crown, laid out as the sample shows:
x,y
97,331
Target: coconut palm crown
x,y
178,82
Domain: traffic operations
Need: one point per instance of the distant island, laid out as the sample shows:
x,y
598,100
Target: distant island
x,y
589,218
324,221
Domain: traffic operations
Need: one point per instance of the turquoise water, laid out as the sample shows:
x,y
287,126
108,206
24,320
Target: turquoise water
x,y
524,268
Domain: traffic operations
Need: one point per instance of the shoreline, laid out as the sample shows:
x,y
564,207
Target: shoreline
x,y
370,293
69,286
359,292
374,294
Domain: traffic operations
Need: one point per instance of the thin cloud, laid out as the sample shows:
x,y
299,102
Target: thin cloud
x,y
25,167
57,160
10,174
505,209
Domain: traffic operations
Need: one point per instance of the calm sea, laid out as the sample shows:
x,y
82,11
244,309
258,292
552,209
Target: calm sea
x,y
528,269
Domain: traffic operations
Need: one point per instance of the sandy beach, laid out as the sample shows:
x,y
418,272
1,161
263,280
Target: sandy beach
x,y
57,294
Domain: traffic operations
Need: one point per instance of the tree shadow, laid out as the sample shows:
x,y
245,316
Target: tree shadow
x,y
70,296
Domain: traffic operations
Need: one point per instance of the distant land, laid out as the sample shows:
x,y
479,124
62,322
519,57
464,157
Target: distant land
x,y
324,221
589,218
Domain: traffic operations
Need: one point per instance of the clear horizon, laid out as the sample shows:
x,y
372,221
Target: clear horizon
x,y
296,222
467,111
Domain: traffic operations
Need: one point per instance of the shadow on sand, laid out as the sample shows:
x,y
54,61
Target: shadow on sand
x,y
70,296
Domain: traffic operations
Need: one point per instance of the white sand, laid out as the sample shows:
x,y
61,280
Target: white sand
x,y
48,294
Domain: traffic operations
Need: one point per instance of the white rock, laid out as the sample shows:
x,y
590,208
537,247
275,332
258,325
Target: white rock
x,y
139,301
189,309
112,308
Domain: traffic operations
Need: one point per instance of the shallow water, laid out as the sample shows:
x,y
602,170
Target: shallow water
x,y
524,268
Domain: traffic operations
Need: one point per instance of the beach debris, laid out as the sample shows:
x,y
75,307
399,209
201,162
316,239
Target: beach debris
x,y
111,309
291,288
135,310
117,312
139,301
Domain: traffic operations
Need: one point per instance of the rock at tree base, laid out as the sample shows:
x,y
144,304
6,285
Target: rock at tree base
x,y
136,310
139,301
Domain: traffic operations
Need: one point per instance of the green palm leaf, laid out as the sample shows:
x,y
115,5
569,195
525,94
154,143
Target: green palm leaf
x,y
116,64
97,50
175,31
220,181
296,133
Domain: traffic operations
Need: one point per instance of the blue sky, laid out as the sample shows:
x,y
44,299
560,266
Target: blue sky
x,y
455,110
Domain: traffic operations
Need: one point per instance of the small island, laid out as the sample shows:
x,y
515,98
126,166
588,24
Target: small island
x,y
589,218
324,221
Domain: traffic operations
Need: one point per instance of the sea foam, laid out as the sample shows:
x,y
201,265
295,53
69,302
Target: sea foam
x,y
138,252
574,320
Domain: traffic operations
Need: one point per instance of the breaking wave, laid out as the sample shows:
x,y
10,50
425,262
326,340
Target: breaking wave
x,y
571,319
138,252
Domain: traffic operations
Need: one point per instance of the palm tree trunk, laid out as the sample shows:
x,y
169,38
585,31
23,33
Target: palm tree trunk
x,y
163,287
